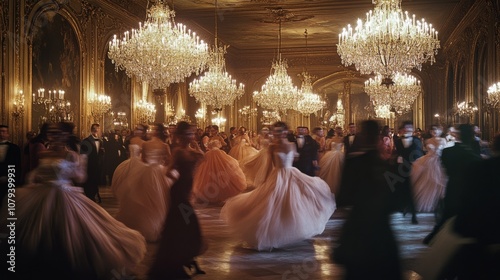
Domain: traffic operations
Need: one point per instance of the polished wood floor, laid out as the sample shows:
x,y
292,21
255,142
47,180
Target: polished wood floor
x,y
226,258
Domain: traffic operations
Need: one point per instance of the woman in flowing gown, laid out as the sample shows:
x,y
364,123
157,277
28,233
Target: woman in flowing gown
x,y
60,233
258,167
181,240
218,177
287,208
242,147
427,174
331,163
142,188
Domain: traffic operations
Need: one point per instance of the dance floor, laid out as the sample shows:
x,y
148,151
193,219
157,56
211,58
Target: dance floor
x,y
226,258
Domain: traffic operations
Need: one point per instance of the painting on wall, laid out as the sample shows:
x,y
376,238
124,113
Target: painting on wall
x,y
55,70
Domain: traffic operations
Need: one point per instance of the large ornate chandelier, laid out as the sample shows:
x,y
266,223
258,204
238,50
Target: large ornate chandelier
x,y
161,51
310,102
399,96
278,93
390,41
216,87
494,96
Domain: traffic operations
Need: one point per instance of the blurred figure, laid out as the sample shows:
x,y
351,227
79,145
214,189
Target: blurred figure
x,y
332,162
25,157
287,207
37,145
457,161
10,162
367,247
60,233
478,217
408,149
241,147
307,148
218,177
428,178
257,167
181,239
142,188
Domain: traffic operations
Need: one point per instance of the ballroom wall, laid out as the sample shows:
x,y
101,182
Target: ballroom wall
x,y
467,64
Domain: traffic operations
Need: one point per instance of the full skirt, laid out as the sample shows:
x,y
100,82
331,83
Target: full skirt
x,y
288,207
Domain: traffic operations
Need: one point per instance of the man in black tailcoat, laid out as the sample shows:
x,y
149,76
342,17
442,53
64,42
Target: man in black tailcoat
x,y
350,140
93,147
408,149
307,147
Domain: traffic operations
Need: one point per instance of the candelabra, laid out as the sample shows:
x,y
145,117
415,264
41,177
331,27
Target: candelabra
x,y
200,116
145,112
120,121
18,106
466,110
493,99
219,121
56,108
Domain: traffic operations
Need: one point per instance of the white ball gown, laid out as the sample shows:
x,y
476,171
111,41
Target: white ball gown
x,y
61,234
142,190
242,149
428,177
258,167
331,164
288,207
218,177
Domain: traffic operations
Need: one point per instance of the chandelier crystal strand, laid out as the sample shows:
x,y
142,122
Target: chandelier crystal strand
x,y
383,111
161,51
216,87
389,41
278,93
399,96
310,102
494,95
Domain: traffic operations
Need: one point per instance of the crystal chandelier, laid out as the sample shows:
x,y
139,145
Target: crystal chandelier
x,y
120,121
339,117
18,110
383,111
310,102
145,111
278,93
390,41
161,51
216,87
493,98
269,117
100,105
466,109
398,96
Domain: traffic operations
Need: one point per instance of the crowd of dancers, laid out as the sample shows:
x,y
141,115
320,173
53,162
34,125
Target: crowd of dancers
x,y
275,188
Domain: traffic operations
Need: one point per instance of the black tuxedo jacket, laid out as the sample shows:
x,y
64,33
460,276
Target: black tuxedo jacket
x,y
348,148
410,154
457,162
307,154
94,159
